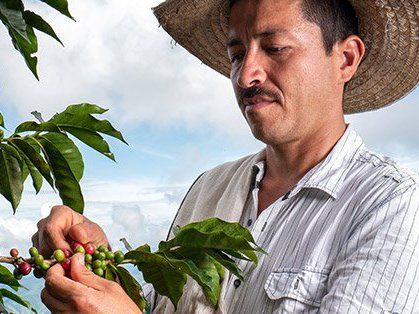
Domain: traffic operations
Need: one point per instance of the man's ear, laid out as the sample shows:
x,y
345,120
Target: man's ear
x,y
350,52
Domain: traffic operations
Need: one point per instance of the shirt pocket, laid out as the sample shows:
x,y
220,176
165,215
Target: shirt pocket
x,y
307,286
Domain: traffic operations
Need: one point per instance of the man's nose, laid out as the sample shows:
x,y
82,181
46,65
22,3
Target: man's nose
x,y
251,72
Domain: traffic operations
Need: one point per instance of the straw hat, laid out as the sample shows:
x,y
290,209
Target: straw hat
x,y
389,29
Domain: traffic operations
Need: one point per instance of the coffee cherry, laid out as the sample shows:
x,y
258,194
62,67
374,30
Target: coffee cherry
x,y
79,249
33,251
98,271
59,255
38,260
96,254
38,272
66,264
119,257
104,264
102,256
88,258
75,244
102,248
14,253
109,255
97,264
25,268
45,265
89,267
67,253
17,274
89,248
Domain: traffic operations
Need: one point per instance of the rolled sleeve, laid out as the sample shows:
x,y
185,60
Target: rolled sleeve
x,y
377,269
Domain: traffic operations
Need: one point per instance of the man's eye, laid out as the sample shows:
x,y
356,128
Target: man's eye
x,y
275,49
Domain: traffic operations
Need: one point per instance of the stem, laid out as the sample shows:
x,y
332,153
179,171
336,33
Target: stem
x,y
14,260
128,261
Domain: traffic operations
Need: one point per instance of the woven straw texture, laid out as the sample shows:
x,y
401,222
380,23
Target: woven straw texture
x,y
389,29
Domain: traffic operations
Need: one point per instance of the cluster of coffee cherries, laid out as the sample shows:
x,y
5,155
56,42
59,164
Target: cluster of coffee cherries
x,y
96,260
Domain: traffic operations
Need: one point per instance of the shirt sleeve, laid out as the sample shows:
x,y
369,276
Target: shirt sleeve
x,y
377,270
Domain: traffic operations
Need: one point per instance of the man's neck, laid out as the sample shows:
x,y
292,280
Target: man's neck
x,y
287,164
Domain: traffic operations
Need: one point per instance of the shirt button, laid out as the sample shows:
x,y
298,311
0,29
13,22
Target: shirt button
x,y
249,222
237,283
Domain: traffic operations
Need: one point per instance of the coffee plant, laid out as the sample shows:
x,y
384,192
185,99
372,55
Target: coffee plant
x,y
44,150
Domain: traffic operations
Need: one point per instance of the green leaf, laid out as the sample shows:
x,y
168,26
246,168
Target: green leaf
x,y
7,278
158,271
70,152
11,15
84,109
132,287
25,172
213,225
38,127
144,248
226,261
27,48
11,186
199,266
40,24
193,238
59,5
86,121
109,274
92,139
65,181
34,156
220,269
16,298
35,175
2,121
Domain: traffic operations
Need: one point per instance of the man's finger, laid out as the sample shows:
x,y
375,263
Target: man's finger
x,y
54,239
53,304
87,232
86,277
60,286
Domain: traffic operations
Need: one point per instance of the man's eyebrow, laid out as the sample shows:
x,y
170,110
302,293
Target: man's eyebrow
x,y
265,33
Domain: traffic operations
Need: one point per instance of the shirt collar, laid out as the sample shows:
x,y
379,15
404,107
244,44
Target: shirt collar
x,y
329,174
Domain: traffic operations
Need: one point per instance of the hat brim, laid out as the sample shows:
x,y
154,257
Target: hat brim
x,y
389,29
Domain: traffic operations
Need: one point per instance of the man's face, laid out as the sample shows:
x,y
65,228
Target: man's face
x,y
284,82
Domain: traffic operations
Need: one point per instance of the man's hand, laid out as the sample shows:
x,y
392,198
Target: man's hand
x,y
86,293
55,231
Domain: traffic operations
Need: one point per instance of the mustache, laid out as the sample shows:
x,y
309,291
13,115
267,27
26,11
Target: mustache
x,y
257,91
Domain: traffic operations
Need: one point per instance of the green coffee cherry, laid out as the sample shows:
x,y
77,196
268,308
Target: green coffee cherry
x,y
38,272
59,255
104,264
45,265
96,254
33,251
89,267
97,264
38,260
17,274
109,255
98,271
79,249
102,248
88,258
119,257
102,256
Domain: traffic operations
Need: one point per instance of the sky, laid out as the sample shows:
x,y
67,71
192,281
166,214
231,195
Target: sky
x,y
179,117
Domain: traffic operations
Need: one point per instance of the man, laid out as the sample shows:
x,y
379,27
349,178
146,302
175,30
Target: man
x,y
340,223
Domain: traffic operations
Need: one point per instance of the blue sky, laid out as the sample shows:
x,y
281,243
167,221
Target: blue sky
x,y
179,117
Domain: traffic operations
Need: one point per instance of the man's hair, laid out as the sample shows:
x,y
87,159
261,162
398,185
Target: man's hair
x,y
336,18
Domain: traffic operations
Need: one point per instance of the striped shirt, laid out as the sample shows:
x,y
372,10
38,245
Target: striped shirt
x,y
343,240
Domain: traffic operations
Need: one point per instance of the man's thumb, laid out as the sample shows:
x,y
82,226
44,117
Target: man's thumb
x,y
81,274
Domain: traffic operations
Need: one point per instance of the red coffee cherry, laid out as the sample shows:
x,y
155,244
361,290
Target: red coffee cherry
x,y
14,253
25,268
75,244
89,248
66,264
